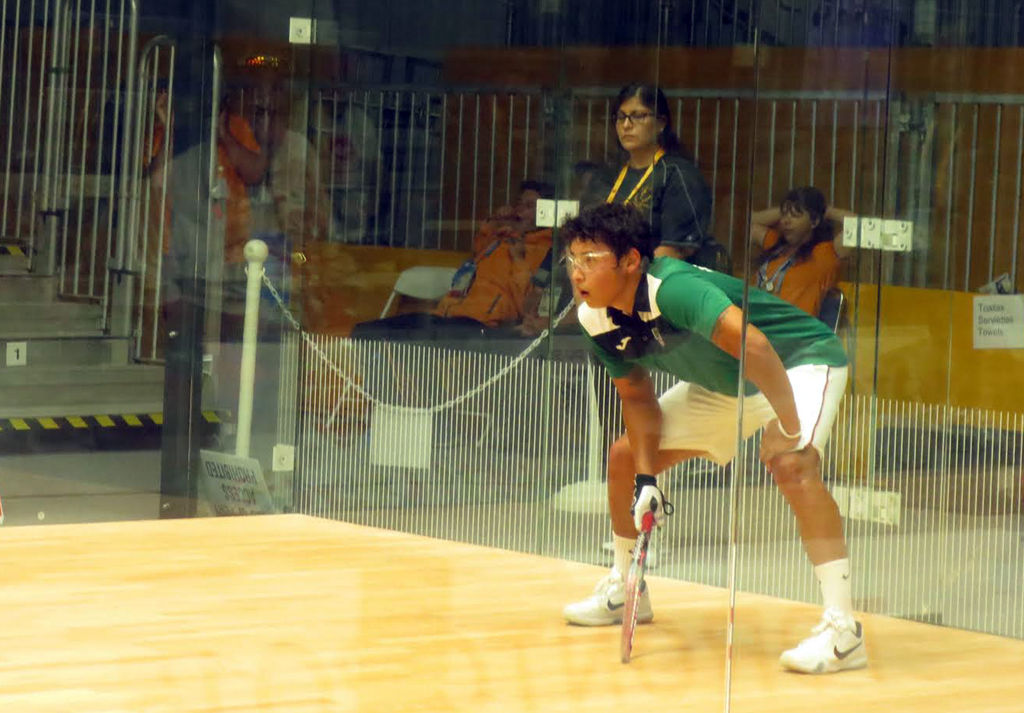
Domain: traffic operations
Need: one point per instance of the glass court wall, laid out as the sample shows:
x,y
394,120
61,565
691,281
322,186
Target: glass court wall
x,y
376,150
915,159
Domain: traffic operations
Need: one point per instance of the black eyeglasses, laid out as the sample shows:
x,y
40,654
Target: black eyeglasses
x,y
634,116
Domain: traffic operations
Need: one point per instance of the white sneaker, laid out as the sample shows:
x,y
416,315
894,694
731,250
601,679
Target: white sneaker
x,y
604,606
837,645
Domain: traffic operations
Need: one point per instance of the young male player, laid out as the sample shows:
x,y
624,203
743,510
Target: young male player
x,y
687,321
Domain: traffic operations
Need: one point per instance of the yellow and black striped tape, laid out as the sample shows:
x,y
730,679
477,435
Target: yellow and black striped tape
x,y
12,250
98,421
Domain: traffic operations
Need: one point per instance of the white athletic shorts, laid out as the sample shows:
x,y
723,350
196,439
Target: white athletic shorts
x,y
696,419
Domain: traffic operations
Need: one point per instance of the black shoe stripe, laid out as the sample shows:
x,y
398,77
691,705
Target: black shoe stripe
x,y
843,654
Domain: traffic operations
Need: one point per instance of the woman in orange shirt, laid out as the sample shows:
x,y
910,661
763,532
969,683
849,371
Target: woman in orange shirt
x,y
801,248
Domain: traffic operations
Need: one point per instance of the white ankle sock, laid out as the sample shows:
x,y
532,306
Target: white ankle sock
x,y
834,578
623,553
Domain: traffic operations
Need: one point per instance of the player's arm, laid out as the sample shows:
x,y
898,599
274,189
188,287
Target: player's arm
x,y
641,415
764,368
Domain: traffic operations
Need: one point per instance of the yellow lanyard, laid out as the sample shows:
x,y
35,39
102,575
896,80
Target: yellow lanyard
x,y
622,175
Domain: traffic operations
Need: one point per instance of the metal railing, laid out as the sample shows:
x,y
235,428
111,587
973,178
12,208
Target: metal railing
x,y
143,227
63,77
22,85
417,168
421,168
783,23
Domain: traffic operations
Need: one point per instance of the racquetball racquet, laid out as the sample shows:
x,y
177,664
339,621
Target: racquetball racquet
x,y
634,585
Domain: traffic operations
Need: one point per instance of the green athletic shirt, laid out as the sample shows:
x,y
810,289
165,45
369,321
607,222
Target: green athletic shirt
x,y
676,308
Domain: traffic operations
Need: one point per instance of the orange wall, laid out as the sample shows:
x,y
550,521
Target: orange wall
x,y
983,70
342,285
926,351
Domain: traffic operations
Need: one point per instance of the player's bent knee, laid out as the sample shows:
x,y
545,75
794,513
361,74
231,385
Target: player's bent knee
x,y
620,457
796,471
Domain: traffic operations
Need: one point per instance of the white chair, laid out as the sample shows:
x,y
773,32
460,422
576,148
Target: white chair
x,y
422,282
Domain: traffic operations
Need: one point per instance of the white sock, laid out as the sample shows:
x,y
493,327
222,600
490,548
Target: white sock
x,y
623,554
834,578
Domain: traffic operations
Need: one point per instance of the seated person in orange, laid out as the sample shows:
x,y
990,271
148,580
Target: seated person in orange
x,y
488,297
240,163
801,248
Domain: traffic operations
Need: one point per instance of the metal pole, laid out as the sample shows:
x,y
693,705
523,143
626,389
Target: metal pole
x,y
65,138
129,161
364,192
440,172
48,203
97,181
1016,204
950,195
331,140
25,122
11,104
379,156
255,255
494,149
771,156
476,167
38,153
696,133
396,111
127,143
970,198
526,137
814,140
607,128
792,145
427,103
854,173
162,208
994,217
835,141
410,168
458,172
508,160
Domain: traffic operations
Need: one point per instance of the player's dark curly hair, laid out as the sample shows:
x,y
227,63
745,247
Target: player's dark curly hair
x,y
620,226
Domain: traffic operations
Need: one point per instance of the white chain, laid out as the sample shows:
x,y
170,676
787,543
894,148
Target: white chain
x,y
416,409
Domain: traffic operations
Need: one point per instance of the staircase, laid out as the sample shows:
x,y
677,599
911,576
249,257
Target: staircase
x,y
59,374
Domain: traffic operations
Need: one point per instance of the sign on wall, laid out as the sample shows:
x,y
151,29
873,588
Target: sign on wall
x,y
233,485
999,322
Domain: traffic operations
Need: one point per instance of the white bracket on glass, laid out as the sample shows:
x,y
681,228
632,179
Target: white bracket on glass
x,y
878,233
552,212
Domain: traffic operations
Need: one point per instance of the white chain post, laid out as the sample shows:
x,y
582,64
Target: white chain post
x,y
255,255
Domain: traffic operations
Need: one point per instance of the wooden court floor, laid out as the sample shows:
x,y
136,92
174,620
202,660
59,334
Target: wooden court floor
x,y
297,614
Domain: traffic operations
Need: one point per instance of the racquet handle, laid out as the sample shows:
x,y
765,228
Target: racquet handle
x,y
648,522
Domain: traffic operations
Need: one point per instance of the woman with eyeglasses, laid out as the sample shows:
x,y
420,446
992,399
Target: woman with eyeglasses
x,y
658,180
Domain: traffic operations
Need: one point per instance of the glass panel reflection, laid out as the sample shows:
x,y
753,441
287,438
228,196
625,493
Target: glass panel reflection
x,y
404,347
